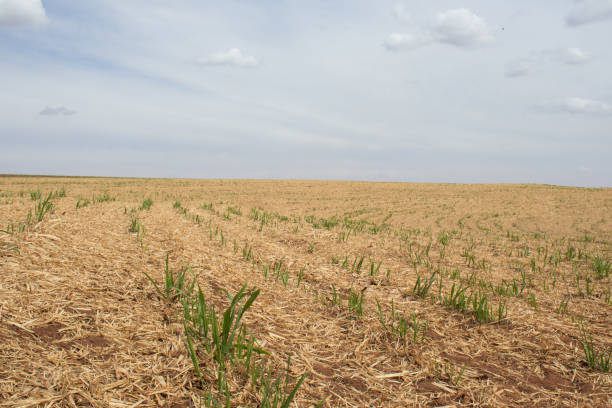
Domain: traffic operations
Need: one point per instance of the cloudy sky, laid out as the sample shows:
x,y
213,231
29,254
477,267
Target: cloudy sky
x,y
440,91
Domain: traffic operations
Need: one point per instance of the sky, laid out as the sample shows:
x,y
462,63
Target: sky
x,y
418,91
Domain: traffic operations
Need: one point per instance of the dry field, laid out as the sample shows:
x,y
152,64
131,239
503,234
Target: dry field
x,y
381,294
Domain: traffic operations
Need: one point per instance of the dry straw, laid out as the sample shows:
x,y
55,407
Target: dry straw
x,y
81,325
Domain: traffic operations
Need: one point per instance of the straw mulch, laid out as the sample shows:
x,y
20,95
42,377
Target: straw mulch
x,y
81,326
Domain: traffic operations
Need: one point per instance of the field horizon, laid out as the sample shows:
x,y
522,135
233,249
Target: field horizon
x,y
340,180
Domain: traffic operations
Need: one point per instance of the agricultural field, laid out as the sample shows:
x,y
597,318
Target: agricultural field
x,y
181,293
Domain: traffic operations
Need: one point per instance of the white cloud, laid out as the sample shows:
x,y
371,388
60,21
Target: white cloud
x,y
22,13
573,56
588,11
231,57
57,111
459,27
462,28
525,66
581,105
577,106
401,13
397,41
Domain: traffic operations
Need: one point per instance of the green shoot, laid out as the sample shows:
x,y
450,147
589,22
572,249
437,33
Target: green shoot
x,y
146,204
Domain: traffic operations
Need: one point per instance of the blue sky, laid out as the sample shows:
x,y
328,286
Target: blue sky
x,y
445,91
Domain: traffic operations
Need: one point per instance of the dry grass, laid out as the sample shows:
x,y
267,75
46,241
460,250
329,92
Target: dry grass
x,y
80,325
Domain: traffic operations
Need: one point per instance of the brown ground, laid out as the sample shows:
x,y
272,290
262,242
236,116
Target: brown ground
x,y
81,326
